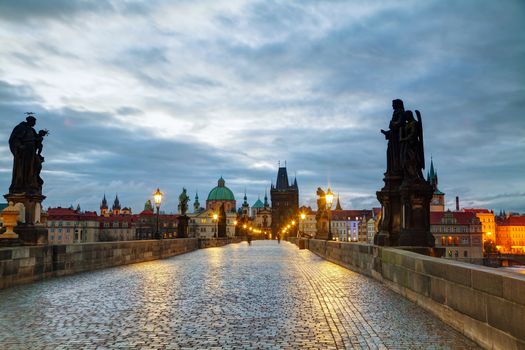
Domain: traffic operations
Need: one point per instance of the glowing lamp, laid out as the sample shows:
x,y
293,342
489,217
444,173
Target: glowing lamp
x,y
157,197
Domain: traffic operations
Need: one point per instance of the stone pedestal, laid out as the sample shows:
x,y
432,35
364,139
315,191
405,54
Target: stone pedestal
x,y
415,214
390,199
30,230
182,226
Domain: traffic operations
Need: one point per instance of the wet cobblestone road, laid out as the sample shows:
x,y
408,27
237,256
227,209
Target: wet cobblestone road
x,y
264,296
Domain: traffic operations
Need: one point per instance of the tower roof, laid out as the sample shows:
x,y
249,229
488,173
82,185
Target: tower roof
x,y
282,179
221,192
258,204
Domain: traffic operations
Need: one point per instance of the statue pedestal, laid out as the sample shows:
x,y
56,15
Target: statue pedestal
x,y
182,226
390,199
29,229
415,214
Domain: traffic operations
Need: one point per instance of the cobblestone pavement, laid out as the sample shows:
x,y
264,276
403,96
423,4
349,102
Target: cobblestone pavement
x,y
264,296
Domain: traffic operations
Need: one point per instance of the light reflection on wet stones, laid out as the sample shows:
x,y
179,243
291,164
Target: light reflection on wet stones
x,y
264,296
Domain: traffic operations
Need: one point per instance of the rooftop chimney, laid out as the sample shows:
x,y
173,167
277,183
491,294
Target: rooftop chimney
x,y
457,203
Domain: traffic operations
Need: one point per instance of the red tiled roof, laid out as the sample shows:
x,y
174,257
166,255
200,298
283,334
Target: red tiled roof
x,y
462,218
476,210
513,221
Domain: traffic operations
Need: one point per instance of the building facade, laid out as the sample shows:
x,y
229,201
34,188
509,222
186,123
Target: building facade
x,y
285,202
510,234
459,233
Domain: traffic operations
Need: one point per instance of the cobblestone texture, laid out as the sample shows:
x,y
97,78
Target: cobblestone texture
x,y
264,296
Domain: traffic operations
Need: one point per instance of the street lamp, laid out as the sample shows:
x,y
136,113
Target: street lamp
x,y
157,197
302,216
329,196
216,219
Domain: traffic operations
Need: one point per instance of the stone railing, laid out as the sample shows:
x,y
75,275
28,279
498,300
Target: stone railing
x,y
24,264
483,303
217,242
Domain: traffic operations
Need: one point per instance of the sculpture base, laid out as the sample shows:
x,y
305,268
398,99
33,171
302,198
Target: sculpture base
x,y
32,206
416,238
182,226
31,234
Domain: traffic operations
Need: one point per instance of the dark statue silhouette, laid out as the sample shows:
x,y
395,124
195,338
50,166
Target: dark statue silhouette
x,y
25,191
405,197
26,146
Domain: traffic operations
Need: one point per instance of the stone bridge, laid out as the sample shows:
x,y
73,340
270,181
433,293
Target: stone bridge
x,y
263,296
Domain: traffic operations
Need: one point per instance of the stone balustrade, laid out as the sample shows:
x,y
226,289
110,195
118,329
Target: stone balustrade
x,y
24,264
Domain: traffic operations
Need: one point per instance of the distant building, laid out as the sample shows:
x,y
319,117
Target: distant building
x,y
488,223
221,195
285,201
510,234
202,224
459,233
350,225
437,204
67,226
262,215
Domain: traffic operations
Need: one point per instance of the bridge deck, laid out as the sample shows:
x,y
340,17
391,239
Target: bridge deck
x,y
260,296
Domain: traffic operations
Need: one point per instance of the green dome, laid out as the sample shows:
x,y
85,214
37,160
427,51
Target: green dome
x,y
221,192
258,204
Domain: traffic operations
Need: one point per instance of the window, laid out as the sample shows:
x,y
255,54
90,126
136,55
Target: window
x,y
60,237
52,237
465,254
443,240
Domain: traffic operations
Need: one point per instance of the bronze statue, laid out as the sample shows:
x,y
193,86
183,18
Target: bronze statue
x,y
412,153
183,202
393,166
26,146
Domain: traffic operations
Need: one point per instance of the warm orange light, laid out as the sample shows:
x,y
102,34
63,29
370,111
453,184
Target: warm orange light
x,y
303,216
157,197
235,222
215,216
244,226
293,222
329,197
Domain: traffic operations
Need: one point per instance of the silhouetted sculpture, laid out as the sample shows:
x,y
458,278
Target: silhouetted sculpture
x,y
412,152
26,185
405,197
221,224
183,219
393,162
183,202
26,146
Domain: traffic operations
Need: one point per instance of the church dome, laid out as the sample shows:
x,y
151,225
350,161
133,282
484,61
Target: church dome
x,y
258,204
221,192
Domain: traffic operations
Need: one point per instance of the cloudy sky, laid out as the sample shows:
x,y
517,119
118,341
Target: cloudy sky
x,y
145,94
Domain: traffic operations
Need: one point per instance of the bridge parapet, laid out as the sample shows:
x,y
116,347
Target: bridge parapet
x,y
485,304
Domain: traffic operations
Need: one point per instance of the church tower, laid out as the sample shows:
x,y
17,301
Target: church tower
x,y
285,201
116,206
196,204
245,207
437,204
104,206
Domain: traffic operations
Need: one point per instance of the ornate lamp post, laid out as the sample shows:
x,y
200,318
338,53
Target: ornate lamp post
x,y
329,196
157,197
216,219
302,216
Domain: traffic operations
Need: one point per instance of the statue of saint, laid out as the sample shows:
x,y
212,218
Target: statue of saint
x,y
393,164
183,202
26,146
412,153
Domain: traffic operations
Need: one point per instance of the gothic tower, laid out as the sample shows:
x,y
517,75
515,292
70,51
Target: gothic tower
x,y
285,201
